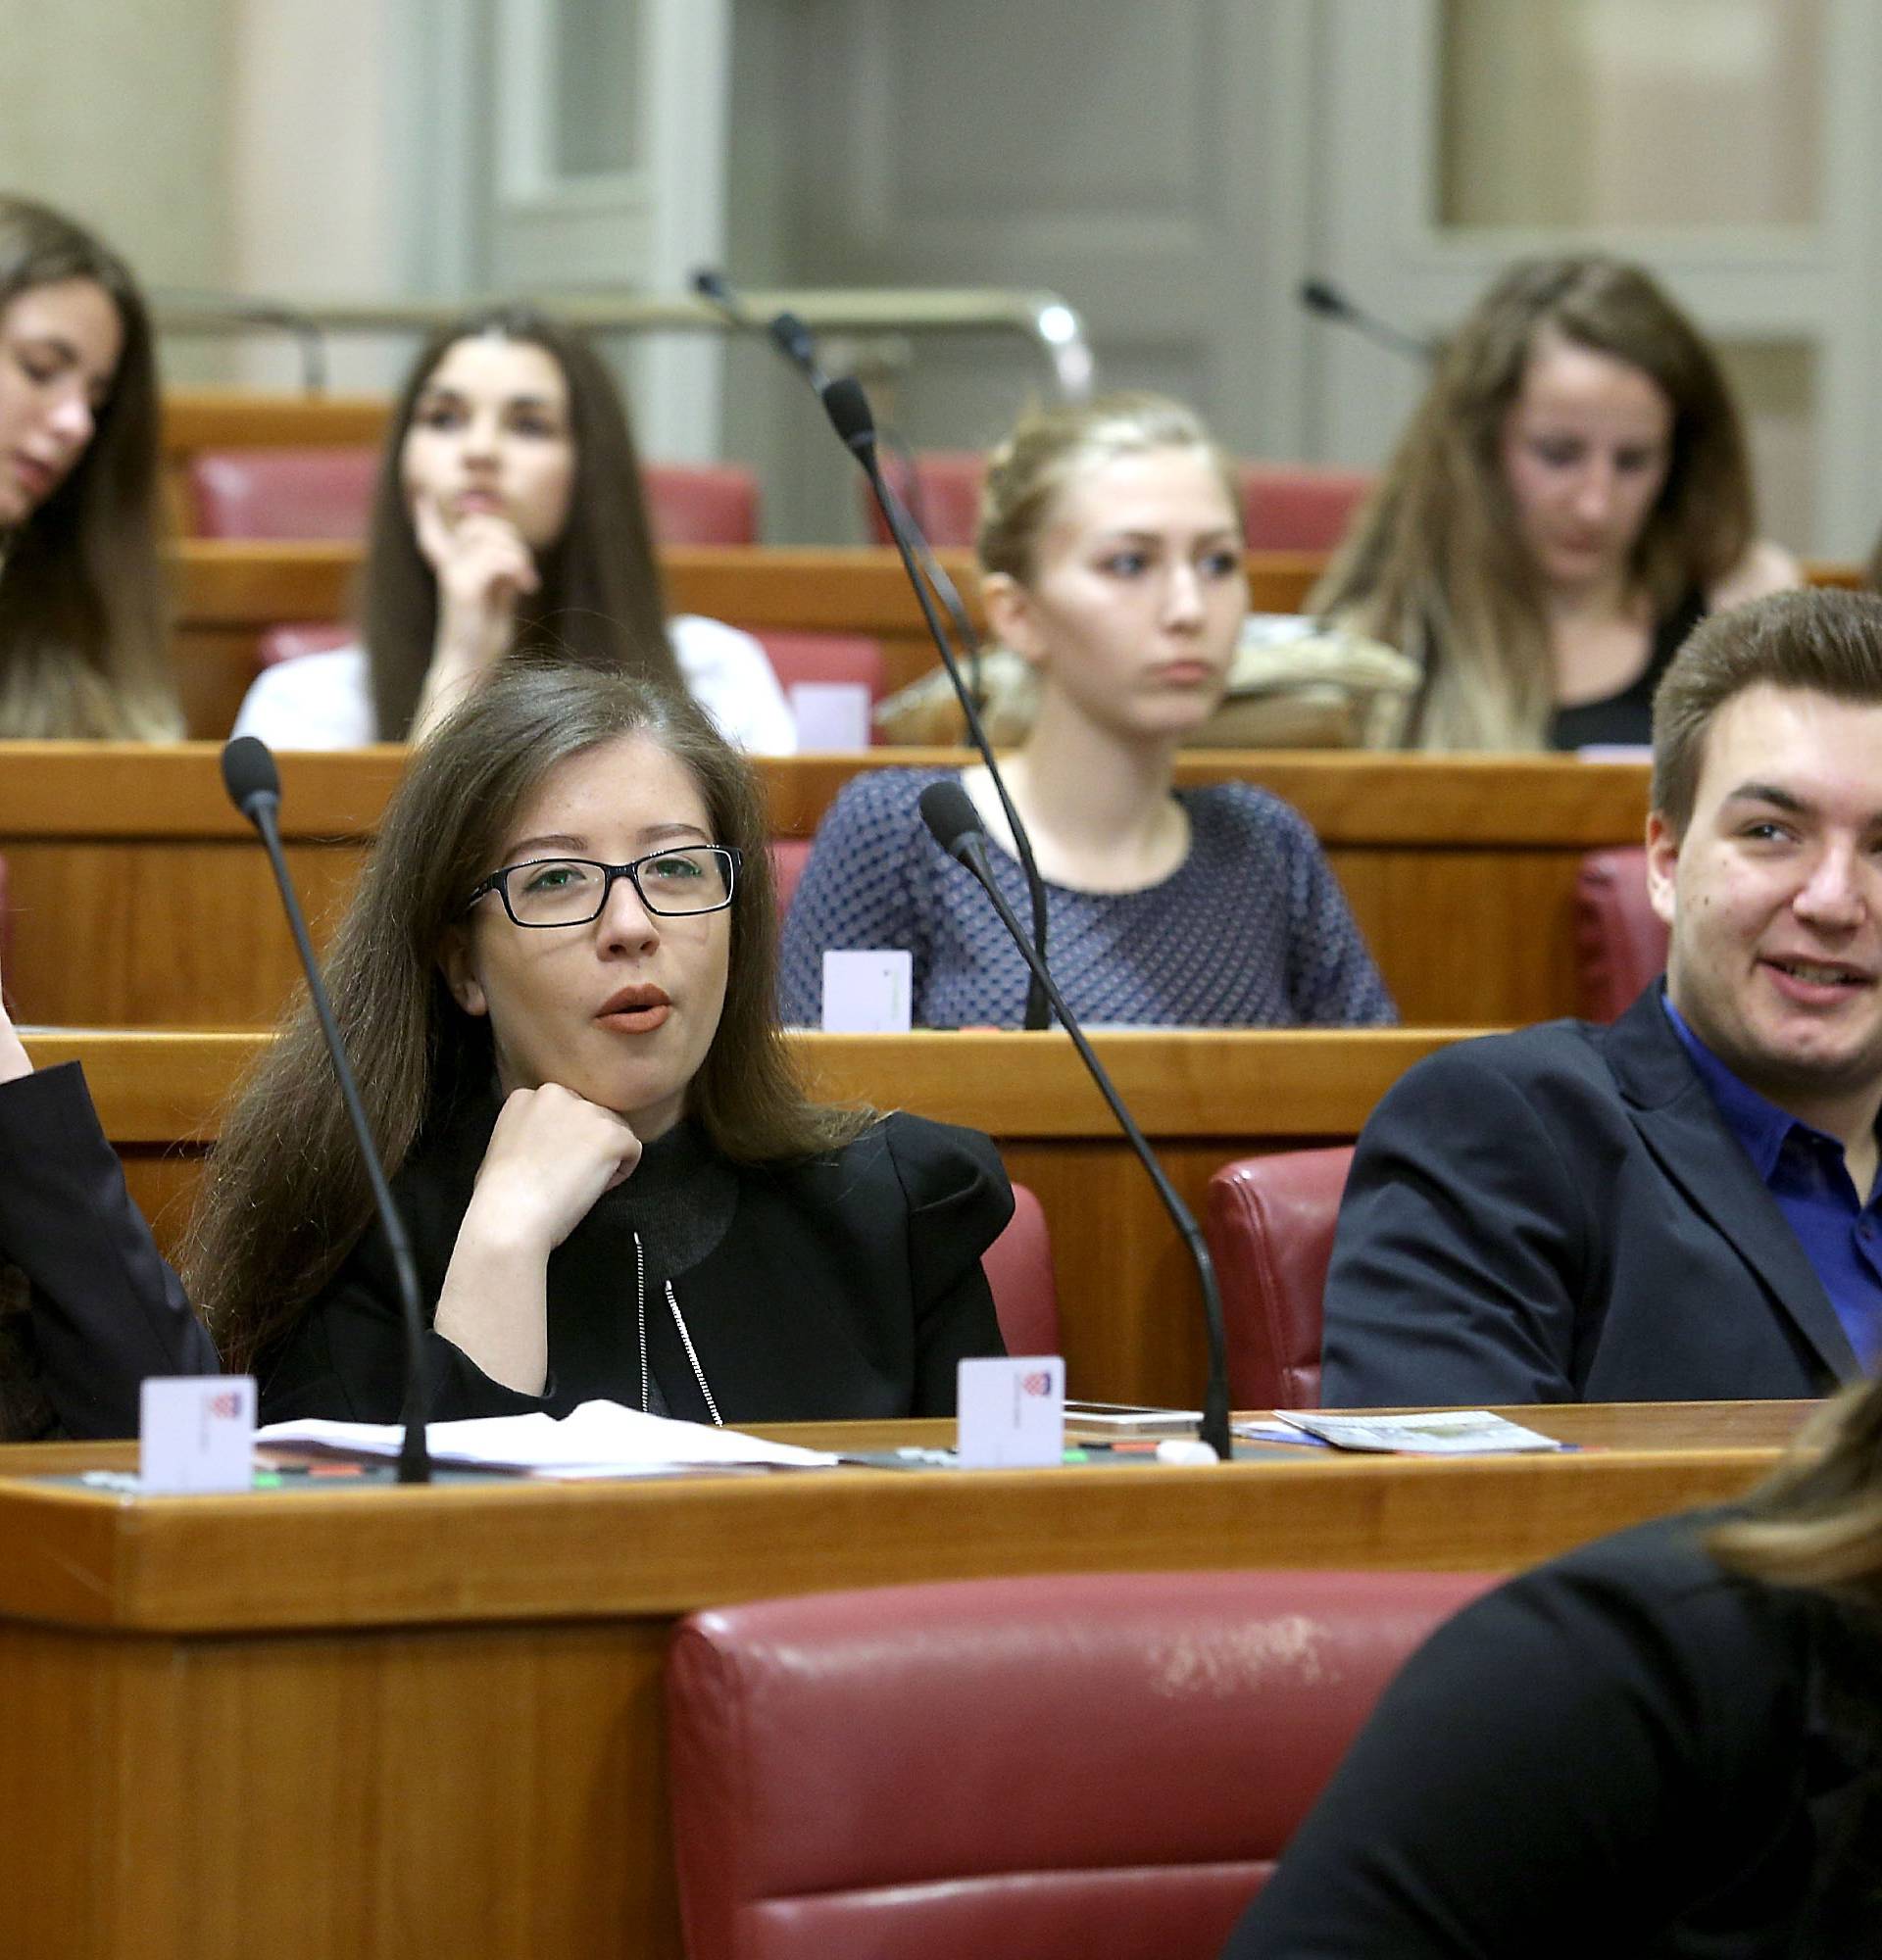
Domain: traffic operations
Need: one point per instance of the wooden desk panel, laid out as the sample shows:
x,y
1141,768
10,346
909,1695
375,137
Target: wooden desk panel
x,y
141,900
1128,1300
231,591
416,1723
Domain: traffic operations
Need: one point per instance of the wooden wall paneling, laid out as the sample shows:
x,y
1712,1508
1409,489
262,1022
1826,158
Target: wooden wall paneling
x,y
143,899
230,591
427,1723
485,1754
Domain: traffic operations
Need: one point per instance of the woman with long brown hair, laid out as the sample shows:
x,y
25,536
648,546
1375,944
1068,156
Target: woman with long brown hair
x,y
1572,495
1667,1742
556,980
509,515
84,626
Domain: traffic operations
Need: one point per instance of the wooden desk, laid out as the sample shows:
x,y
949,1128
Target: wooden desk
x,y
1128,1304
414,1723
141,900
231,591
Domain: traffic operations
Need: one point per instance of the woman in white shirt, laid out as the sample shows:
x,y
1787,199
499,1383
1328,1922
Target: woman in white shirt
x,y
509,515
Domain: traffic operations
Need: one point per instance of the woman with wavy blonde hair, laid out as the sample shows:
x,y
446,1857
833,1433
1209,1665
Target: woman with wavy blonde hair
x,y
1571,497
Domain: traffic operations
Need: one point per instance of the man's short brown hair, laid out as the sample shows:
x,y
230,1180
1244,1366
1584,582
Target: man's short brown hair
x,y
1829,642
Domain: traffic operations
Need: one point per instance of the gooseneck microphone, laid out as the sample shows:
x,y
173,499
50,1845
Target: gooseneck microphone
x,y
1322,297
254,786
954,824
848,409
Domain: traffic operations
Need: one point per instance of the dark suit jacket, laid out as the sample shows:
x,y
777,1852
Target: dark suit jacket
x,y
103,1310
1563,1214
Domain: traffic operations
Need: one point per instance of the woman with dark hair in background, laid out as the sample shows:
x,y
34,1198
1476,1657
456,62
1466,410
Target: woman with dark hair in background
x,y
556,980
509,515
83,628
1571,497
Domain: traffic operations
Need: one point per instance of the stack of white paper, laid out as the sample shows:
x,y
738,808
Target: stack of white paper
x,y
599,1439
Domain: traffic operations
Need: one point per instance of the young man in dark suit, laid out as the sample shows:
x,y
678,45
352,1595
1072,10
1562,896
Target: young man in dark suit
x,y
1682,1206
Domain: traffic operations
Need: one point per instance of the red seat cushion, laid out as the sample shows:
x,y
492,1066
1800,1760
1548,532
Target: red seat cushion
x,y
701,503
826,657
1620,941
1056,1767
1269,1224
1020,1270
282,493
1298,505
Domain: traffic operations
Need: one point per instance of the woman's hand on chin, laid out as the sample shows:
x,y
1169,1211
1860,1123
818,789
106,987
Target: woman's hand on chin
x,y
481,564
551,1155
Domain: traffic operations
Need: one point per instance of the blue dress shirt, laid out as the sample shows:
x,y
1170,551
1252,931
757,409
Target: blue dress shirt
x,y
1805,1172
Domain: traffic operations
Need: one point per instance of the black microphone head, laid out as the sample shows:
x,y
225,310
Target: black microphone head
x,y
851,415
249,774
793,339
949,813
1321,297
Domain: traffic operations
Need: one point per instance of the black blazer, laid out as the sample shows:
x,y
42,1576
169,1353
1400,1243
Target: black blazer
x,y
844,1287
103,1308
1562,1214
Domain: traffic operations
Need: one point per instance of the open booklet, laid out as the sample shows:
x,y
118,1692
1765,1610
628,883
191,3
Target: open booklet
x,y
599,1439
1437,1432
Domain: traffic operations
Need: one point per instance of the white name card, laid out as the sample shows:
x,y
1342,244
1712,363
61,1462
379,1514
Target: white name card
x,y
196,1433
867,992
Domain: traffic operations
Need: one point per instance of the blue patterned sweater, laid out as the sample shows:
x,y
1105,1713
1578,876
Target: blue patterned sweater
x,y
1251,930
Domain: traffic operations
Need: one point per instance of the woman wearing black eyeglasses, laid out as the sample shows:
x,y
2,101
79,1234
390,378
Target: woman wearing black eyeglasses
x,y
556,984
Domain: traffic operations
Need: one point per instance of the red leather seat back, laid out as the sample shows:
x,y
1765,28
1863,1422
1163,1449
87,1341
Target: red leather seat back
x,y
1025,1289
1285,506
1057,1767
701,503
1298,505
826,657
944,495
1269,1226
289,643
282,493
789,856
1620,941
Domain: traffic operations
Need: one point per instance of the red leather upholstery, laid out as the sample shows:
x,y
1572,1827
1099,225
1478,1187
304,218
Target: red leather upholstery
x,y
789,856
1060,1767
289,643
1298,505
945,494
327,493
826,657
1269,1226
1285,506
1025,1290
1620,941
282,493
701,503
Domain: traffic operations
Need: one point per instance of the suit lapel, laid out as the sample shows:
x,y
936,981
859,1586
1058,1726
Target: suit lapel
x,y
1680,1124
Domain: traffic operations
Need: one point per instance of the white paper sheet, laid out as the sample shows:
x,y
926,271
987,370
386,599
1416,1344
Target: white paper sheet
x,y
600,1439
